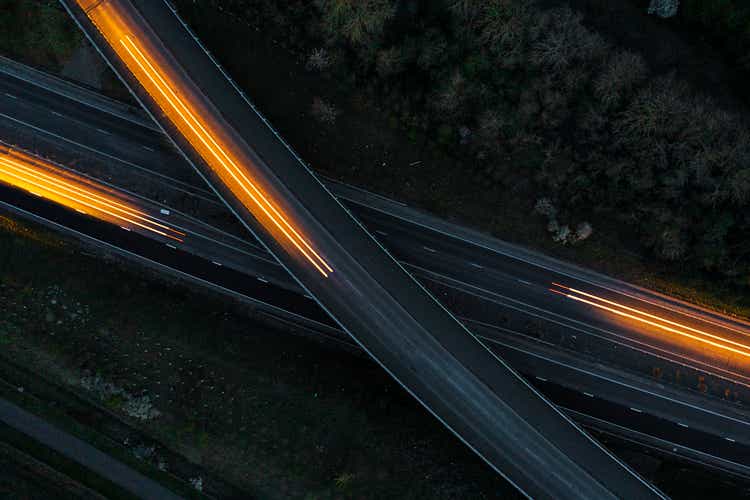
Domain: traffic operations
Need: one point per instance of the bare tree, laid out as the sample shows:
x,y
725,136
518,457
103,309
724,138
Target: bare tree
x,y
619,78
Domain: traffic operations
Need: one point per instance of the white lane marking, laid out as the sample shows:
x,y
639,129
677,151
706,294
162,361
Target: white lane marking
x,y
636,410
588,394
308,297
11,96
682,425
381,233
524,282
428,249
125,228
147,148
36,194
106,132
730,440
217,263
541,378
171,246
261,279
474,264
80,211
56,113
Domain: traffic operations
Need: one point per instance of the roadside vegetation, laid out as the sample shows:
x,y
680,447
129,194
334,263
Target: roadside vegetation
x,y
37,32
276,415
541,109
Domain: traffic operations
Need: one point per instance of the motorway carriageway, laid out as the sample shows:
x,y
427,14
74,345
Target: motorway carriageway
x,y
579,304
475,394
113,138
121,139
49,113
622,413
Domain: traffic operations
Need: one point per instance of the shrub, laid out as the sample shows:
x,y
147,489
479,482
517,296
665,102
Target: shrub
x,y
389,62
622,73
560,40
359,22
324,111
318,60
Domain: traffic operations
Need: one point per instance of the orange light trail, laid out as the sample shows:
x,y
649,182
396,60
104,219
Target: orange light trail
x,y
197,129
655,321
47,181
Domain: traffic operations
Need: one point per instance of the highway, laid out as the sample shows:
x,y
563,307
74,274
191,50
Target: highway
x,y
510,276
471,391
389,227
212,244
602,399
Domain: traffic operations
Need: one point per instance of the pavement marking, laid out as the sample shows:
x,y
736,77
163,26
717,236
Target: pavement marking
x,y
261,279
217,263
56,113
524,282
682,425
431,250
381,233
11,96
125,228
106,132
147,148
588,394
308,297
36,194
171,246
541,378
636,410
474,264
80,211
730,440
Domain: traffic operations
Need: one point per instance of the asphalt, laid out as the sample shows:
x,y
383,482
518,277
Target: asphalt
x,y
408,332
700,421
493,269
81,452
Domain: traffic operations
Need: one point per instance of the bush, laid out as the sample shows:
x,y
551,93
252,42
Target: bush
x,y
324,111
621,74
359,22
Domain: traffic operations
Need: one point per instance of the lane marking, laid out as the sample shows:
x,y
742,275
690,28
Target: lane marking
x,y
381,233
682,425
261,279
588,394
56,113
541,378
474,264
730,440
11,96
105,132
524,282
216,263
125,228
147,148
636,410
428,249
171,246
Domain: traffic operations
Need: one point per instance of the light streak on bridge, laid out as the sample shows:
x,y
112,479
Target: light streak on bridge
x,y
208,137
